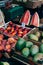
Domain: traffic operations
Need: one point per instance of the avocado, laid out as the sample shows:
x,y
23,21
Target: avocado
x,y
28,44
38,57
20,44
34,50
38,34
41,48
25,52
33,37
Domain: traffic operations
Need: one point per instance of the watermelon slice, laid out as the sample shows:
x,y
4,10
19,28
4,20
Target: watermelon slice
x,y
35,20
26,18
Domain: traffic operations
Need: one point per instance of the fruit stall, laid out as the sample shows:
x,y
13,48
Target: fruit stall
x,y
21,32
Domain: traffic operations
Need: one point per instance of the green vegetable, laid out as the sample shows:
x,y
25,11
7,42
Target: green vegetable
x,y
20,44
33,37
34,50
25,52
38,57
41,48
29,44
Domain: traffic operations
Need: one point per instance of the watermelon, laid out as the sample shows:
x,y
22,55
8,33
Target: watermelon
x,y
26,18
35,20
20,44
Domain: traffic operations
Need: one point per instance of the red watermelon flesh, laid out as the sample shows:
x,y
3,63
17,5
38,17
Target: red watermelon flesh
x,y
26,18
35,20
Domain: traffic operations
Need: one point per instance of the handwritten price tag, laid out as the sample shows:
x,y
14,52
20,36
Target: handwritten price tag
x,y
23,25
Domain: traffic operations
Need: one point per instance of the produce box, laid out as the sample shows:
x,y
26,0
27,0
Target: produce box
x,y
6,46
14,30
24,56
38,35
13,12
25,53
28,51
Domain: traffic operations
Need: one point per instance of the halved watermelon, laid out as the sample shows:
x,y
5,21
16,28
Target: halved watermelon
x,y
26,18
35,20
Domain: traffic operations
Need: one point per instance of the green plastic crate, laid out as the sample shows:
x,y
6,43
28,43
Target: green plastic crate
x,y
13,12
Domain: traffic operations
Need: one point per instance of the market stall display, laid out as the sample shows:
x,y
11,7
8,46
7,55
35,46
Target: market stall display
x,y
21,34
14,30
29,50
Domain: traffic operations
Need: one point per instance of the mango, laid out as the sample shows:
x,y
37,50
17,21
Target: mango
x,y
33,37
38,34
38,57
34,50
28,44
25,52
